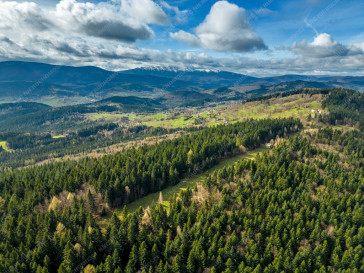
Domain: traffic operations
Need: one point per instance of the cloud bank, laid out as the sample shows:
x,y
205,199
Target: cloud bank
x,y
104,35
115,56
322,46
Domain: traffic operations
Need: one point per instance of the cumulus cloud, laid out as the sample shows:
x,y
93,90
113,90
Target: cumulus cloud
x,y
322,46
107,20
357,48
186,37
15,16
145,10
100,21
225,28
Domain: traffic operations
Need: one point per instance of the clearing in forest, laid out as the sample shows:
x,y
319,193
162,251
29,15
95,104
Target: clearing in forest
x,y
167,193
3,144
152,199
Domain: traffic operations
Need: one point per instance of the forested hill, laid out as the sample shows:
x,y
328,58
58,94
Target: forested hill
x,y
44,235
297,209
144,170
345,105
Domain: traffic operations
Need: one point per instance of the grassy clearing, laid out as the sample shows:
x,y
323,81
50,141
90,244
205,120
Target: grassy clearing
x,y
170,123
105,116
4,145
152,199
59,136
344,128
297,106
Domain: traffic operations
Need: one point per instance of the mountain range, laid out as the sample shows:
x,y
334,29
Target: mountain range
x,y
27,81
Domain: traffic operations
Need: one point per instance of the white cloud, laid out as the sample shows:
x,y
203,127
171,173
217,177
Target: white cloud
x,y
358,48
15,16
322,46
226,28
145,10
186,37
179,16
169,7
100,20
107,20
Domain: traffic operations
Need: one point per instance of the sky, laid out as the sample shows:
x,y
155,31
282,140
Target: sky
x,y
257,38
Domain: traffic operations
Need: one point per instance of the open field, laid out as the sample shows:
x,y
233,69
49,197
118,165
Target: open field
x,y
3,144
59,136
107,116
298,106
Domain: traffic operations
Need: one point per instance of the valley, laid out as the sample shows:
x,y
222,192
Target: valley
x,y
109,133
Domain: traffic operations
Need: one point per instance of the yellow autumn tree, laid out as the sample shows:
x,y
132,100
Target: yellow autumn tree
x,y
189,157
55,203
89,269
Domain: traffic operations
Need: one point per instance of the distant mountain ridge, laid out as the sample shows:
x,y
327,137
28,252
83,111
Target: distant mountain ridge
x,y
25,81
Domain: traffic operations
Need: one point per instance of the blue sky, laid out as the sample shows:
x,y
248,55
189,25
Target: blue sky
x,y
261,38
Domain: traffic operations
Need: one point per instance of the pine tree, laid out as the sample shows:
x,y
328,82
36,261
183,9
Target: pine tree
x,y
176,264
90,200
69,255
155,254
191,263
143,256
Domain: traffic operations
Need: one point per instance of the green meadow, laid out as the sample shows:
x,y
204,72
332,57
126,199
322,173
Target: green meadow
x,y
4,145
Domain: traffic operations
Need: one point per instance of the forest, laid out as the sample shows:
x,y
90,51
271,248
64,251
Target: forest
x,y
34,147
297,207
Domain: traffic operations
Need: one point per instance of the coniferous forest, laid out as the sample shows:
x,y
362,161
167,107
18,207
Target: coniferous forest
x,y
297,207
